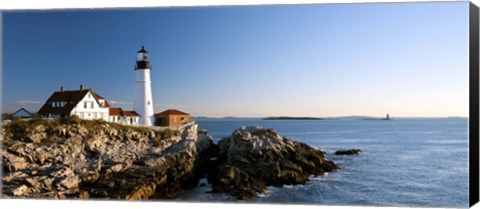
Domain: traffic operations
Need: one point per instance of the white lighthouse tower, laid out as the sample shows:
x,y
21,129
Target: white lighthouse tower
x,y
143,103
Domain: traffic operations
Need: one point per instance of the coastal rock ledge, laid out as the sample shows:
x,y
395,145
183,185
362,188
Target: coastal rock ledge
x,y
99,160
93,159
255,157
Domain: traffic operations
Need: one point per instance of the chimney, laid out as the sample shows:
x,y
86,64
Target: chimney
x,y
91,89
62,89
81,87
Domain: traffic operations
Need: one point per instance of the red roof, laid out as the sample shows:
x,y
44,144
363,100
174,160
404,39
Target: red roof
x,y
131,114
106,104
100,97
172,112
115,111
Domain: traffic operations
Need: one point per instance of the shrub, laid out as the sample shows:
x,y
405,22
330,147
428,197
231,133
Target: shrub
x,y
73,119
93,125
6,116
158,138
168,133
165,134
18,128
37,120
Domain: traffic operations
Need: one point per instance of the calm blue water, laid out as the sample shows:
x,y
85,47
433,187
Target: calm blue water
x,y
405,162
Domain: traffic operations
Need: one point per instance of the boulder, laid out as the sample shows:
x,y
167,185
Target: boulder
x,y
20,191
13,162
70,182
255,157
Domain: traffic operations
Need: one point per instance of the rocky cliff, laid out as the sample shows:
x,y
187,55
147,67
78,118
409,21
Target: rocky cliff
x,y
86,159
100,161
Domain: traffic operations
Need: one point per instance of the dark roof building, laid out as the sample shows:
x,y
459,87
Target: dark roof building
x,y
67,100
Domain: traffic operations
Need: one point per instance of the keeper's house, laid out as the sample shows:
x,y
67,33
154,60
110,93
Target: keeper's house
x,y
171,117
87,105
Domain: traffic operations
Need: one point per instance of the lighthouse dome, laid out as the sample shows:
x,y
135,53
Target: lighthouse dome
x,y
143,50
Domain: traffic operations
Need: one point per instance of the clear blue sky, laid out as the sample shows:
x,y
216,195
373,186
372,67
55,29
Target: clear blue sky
x,y
406,59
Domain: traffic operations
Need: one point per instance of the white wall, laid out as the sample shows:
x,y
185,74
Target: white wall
x,y
123,120
90,112
143,103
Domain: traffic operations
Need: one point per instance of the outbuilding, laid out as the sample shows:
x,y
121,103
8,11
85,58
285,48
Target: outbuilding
x,y
171,117
22,113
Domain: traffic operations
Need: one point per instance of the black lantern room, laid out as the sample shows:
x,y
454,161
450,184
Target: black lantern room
x,y
142,59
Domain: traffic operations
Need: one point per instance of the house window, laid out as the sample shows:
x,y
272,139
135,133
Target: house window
x,y
182,118
91,105
85,105
82,116
94,115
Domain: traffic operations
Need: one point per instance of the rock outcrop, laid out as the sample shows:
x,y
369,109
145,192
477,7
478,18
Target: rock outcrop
x,y
101,161
348,152
255,157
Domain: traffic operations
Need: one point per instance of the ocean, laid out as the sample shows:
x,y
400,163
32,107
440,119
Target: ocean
x,y
405,162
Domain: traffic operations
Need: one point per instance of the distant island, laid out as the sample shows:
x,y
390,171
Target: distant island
x,y
352,117
291,118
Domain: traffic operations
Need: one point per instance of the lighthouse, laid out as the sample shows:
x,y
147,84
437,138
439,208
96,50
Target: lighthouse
x,y
143,103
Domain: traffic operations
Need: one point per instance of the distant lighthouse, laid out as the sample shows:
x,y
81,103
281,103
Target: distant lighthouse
x,y
143,103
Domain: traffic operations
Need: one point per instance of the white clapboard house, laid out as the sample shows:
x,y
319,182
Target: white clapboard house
x,y
86,104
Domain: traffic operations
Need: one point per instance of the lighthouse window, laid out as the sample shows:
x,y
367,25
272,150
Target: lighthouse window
x,y
148,102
